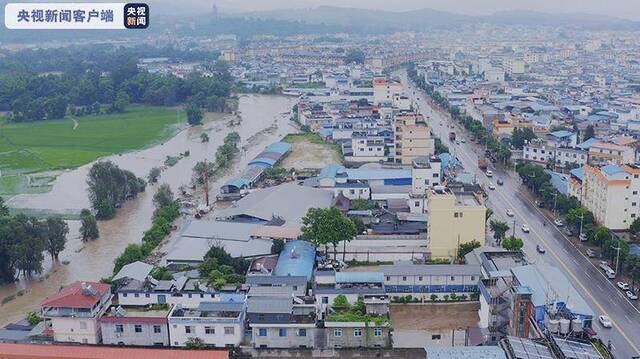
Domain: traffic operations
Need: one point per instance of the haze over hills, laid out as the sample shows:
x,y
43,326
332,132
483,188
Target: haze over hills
x,y
365,19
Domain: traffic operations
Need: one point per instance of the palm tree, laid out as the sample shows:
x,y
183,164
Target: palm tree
x,y
499,229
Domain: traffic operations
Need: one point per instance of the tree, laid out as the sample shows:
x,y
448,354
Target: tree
x,y
132,253
324,226
634,228
121,102
194,114
33,318
610,249
601,235
354,56
195,343
154,174
488,214
363,204
203,170
277,246
109,186
521,136
632,267
340,302
467,247
4,210
589,132
31,244
499,229
57,231
204,137
89,226
512,243
163,197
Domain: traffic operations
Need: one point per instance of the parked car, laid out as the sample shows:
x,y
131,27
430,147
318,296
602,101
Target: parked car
x,y
540,204
622,285
463,140
525,228
492,186
604,321
558,222
568,232
631,295
500,182
489,173
540,249
591,253
583,237
510,213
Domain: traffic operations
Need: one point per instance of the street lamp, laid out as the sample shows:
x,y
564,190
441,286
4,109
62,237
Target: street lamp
x,y
617,257
555,197
581,219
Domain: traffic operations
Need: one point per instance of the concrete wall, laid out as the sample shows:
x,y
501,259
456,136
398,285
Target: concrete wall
x,y
179,336
147,337
292,339
76,330
348,339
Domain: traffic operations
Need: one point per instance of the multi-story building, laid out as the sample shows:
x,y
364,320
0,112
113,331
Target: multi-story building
x,y
514,66
603,153
426,172
135,326
385,90
610,192
218,324
366,148
454,219
412,137
423,280
357,334
281,322
72,314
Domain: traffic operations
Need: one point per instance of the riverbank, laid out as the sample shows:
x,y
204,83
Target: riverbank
x,y
260,114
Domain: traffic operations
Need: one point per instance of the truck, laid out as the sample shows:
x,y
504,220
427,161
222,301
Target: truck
x,y
482,163
452,136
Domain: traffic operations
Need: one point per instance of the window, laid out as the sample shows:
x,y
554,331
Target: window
x,y
325,300
302,332
452,278
85,341
119,328
377,332
388,278
420,278
357,332
337,332
147,295
436,175
404,278
282,332
435,337
83,325
137,295
124,294
188,329
137,328
262,332
417,203
455,214
229,330
157,329
209,330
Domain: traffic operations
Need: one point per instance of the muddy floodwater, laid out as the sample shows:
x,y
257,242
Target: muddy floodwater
x,y
261,120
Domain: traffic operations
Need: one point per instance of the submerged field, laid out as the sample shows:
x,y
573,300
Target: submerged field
x,y
68,143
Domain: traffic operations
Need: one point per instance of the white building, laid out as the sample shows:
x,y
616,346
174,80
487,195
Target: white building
x,y
72,313
218,324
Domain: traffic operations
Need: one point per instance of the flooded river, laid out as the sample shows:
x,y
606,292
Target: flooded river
x,y
264,119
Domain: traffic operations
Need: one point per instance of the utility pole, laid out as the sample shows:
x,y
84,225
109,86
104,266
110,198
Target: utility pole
x,y
514,229
206,182
617,258
581,219
555,197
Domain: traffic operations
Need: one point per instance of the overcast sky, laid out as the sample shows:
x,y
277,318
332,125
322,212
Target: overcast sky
x,y
629,9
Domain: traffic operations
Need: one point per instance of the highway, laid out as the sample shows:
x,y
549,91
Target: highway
x,y
600,293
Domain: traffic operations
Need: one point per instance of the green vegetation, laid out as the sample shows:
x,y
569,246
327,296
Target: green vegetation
x,y
55,144
110,186
520,136
467,247
363,204
33,318
220,268
324,226
499,229
344,312
512,243
313,138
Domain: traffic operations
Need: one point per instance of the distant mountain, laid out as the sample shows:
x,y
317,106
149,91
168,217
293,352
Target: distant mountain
x,y
380,21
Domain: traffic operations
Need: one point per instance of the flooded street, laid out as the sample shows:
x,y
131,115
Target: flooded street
x,y
265,119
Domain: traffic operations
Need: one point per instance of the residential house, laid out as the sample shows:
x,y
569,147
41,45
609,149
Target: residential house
x,y
218,324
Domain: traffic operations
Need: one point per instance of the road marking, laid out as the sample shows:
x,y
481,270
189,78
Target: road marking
x,y
552,251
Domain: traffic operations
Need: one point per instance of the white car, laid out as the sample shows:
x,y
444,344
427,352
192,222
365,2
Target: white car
x,y
604,321
623,285
463,140
525,228
510,213
492,186
558,223
583,237
489,173
631,295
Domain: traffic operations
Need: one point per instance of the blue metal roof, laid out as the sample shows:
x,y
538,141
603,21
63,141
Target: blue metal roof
x,y
377,173
578,173
296,259
238,182
359,277
586,144
280,147
447,160
263,161
612,169
330,171
561,133
558,181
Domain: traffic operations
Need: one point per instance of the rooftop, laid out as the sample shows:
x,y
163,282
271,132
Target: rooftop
x,y
296,259
78,295
484,352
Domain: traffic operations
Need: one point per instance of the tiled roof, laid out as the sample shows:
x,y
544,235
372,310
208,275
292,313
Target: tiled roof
x,y
72,296
41,351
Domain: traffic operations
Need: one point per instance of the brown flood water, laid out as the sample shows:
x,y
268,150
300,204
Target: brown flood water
x,y
265,119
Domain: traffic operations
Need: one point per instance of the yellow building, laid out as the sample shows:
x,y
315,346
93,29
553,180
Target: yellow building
x,y
453,219
412,137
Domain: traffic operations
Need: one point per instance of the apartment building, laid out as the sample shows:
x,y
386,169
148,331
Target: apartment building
x,y
604,153
423,280
514,66
144,326
281,321
366,148
385,90
72,314
412,137
610,192
454,219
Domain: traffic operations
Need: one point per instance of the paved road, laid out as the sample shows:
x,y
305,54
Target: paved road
x,y
598,291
